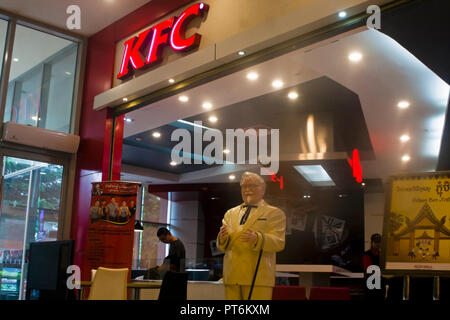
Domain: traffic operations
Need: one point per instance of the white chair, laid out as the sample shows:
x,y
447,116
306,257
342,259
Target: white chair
x,y
109,284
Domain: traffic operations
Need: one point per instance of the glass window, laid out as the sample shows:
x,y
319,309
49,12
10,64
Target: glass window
x,y
3,32
148,251
29,211
41,80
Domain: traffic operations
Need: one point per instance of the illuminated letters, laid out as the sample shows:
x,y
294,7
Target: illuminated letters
x,y
171,31
356,166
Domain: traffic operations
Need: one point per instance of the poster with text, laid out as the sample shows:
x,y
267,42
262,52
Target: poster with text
x,y
111,225
416,223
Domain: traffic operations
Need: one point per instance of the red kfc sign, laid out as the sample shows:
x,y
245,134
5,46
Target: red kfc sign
x,y
356,166
145,49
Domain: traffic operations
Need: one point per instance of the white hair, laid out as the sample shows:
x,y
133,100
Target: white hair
x,y
248,174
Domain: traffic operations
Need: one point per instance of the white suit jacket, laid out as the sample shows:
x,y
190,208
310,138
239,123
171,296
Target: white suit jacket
x,y
241,257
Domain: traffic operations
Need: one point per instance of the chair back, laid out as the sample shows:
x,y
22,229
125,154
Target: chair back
x,y
329,293
174,286
109,284
93,271
288,293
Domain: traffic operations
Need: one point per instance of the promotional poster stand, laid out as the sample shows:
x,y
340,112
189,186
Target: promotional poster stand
x,y
416,231
112,217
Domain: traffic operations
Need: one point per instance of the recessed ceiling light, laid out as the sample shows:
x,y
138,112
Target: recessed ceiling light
x,y
129,120
241,53
16,60
406,158
156,134
173,163
231,177
183,98
277,84
404,138
363,184
207,105
342,14
252,76
68,73
125,99
403,104
226,151
138,139
293,95
171,80
355,56
316,175
34,118
212,119
202,5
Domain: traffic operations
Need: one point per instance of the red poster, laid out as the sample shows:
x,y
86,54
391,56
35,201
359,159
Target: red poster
x,y
111,225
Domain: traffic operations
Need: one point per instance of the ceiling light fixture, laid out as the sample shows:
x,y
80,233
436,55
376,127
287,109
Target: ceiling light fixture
x,y
406,158
241,53
363,184
252,76
156,134
125,99
16,60
403,104
183,98
207,105
173,163
212,119
404,138
231,177
129,120
171,80
355,56
293,95
277,84
342,14
316,175
68,73
226,151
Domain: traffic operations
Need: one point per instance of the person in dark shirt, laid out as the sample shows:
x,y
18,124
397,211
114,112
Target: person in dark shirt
x,y
372,257
175,261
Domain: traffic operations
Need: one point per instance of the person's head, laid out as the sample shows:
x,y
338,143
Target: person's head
x,y
164,235
97,203
124,203
132,203
253,188
113,200
375,241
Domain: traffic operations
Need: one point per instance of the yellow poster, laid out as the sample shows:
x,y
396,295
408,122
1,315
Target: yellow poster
x,y
417,223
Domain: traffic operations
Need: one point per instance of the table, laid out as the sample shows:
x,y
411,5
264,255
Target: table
x,y
136,285
313,275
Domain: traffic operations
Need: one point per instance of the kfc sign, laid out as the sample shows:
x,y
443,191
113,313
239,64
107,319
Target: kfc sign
x,y
356,166
145,49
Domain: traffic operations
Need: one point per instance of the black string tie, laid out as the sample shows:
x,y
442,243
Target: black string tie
x,y
247,212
